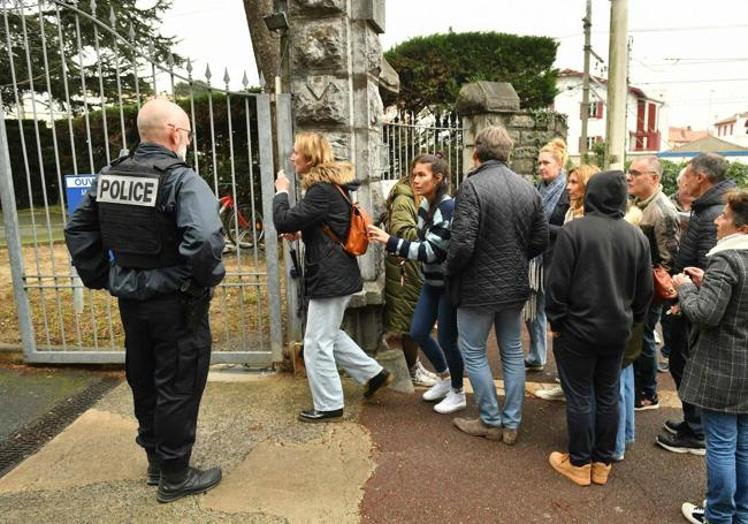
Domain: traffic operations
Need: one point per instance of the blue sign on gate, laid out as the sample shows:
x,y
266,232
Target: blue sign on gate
x,y
76,187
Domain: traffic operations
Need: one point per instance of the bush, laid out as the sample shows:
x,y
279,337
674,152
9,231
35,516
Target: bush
x,y
433,68
75,155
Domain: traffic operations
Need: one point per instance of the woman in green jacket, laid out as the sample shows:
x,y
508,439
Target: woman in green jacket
x,y
403,279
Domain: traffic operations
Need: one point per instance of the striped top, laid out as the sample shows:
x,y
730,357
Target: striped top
x,y
433,241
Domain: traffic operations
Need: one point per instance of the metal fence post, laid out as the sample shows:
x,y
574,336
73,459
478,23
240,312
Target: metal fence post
x,y
267,177
13,240
284,134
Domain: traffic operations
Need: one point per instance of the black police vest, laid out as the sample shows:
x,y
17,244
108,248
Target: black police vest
x,y
135,224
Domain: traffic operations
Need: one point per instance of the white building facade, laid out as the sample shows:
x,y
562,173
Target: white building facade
x,y
733,129
646,119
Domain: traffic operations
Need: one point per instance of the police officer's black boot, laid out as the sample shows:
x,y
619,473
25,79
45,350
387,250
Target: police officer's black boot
x,y
189,481
153,475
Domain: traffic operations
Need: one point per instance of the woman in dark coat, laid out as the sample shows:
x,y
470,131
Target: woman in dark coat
x,y
716,374
403,279
331,275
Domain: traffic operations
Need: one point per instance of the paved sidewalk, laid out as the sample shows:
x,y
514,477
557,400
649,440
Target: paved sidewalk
x,y
392,460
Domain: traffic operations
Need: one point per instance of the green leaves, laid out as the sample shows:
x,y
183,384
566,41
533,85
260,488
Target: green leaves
x,y
433,68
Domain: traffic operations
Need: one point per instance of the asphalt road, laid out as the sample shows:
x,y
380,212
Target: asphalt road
x,y
428,471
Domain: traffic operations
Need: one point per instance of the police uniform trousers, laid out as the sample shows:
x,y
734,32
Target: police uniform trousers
x,y
167,368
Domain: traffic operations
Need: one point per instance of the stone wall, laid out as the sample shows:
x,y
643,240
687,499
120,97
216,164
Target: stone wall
x,y
335,63
482,104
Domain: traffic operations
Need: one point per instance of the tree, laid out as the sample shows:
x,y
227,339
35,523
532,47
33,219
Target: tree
x,y
433,68
265,45
138,27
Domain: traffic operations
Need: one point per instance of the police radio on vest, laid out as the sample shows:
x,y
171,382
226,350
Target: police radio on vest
x,y
129,190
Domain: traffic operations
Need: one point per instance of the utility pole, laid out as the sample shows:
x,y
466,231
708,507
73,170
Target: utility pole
x,y
585,109
615,129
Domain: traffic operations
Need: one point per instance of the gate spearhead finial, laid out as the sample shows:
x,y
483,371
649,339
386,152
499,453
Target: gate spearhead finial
x,y
208,74
226,78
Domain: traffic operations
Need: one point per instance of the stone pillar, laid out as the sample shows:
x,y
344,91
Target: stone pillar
x,y
335,62
483,104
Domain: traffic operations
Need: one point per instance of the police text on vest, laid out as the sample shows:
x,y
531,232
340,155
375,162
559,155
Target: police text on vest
x,y
131,190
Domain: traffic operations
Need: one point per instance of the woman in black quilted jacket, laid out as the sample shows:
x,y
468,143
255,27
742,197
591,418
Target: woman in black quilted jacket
x,y
331,275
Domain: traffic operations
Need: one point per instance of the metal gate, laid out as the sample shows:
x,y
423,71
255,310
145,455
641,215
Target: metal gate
x,y
407,134
70,89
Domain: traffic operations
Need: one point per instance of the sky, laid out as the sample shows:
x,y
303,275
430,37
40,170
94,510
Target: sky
x,y
689,53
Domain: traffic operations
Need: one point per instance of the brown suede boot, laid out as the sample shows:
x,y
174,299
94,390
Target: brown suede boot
x,y
476,428
580,475
600,472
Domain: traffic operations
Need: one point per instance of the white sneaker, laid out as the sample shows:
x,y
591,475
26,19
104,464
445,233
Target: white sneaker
x,y
422,376
454,401
554,393
438,391
693,513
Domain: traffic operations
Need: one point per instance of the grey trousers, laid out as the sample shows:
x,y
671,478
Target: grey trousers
x,y
326,346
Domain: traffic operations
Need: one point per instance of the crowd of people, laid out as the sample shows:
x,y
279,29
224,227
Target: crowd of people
x,y
580,255
595,259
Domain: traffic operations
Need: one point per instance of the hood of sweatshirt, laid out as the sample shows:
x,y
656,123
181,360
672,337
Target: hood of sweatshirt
x,y
606,195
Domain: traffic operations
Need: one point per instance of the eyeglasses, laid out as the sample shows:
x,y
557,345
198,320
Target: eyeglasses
x,y
634,173
190,134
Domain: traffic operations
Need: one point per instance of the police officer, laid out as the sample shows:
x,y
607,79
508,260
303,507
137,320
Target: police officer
x,y
148,231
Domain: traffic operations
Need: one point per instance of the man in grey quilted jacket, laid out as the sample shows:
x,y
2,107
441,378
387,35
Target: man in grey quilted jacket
x,y
497,226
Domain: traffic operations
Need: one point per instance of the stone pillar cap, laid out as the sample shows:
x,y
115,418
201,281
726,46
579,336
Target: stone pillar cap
x,y
487,97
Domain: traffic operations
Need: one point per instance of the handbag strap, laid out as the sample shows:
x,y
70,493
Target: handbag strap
x,y
327,230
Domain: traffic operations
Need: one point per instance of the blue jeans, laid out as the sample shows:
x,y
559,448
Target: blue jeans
x,y
726,467
645,367
538,329
433,304
626,425
473,326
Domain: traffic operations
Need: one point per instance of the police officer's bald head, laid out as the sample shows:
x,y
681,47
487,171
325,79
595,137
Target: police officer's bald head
x,y
163,122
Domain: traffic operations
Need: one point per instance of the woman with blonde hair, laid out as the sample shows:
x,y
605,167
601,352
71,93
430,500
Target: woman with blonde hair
x,y
551,161
577,187
331,275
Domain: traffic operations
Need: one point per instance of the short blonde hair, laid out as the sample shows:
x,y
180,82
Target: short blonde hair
x,y
315,148
557,149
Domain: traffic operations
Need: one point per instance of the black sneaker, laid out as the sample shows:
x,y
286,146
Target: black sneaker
x,y
313,415
534,367
673,427
682,443
644,403
383,378
693,513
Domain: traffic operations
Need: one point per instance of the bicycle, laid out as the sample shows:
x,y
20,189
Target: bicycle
x,y
242,232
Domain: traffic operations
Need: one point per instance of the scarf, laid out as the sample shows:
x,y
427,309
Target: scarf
x,y
550,194
734,241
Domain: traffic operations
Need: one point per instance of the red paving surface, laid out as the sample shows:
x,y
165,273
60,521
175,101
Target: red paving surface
x,y
428,471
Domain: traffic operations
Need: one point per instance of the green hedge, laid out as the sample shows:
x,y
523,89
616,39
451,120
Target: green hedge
x,y
85,161
433,68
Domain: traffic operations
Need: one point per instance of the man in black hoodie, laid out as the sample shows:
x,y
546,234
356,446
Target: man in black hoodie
x,y
599,284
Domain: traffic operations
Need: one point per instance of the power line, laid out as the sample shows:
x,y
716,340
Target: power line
x,y
661,29
696,81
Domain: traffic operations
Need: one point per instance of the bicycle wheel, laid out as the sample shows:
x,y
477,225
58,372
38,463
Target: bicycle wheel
x,y
245,237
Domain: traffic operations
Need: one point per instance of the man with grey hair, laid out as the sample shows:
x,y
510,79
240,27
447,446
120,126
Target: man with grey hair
x,y
705,180
148,231
497,226
659,223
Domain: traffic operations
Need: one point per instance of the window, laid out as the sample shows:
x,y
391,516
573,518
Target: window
x,y
594,110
